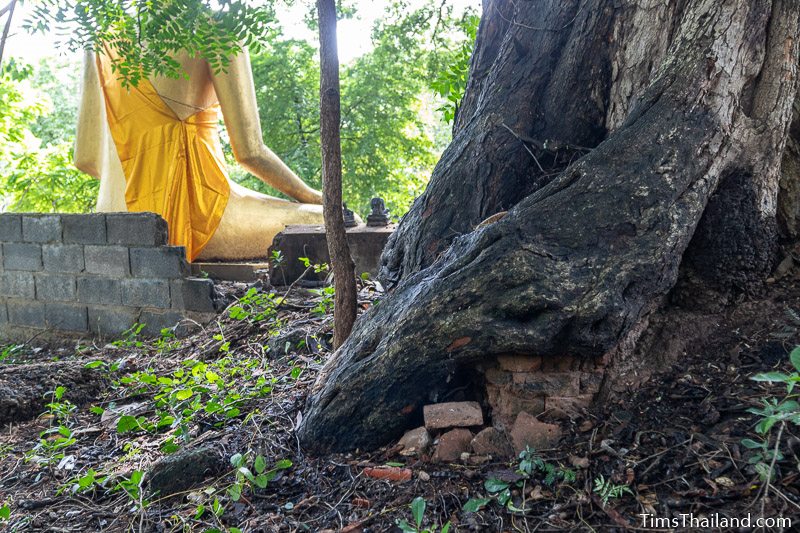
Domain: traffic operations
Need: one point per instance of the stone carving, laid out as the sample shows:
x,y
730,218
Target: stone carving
x,y
380,215
349,217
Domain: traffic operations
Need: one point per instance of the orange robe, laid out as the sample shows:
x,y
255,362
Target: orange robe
x,y
172,167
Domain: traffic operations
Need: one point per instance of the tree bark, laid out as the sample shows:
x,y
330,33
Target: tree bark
x,y
629,142
344,311
789,195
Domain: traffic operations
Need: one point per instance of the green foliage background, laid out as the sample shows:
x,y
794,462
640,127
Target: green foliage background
x,y
37,131
396,102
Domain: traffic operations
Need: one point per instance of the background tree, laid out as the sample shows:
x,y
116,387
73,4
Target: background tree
x,y
637,151
37,132
7,13
391,139
344,311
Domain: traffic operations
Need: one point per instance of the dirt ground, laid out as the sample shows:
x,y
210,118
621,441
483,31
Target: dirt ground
x,y
173,413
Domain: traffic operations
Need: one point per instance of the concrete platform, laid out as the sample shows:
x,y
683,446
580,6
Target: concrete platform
x,y
366,244
243,271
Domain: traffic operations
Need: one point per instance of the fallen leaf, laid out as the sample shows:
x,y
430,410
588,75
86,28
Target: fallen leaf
x,y
579,462
725,482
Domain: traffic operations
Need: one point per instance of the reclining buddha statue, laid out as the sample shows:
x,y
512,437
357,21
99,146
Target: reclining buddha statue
x,y
156,147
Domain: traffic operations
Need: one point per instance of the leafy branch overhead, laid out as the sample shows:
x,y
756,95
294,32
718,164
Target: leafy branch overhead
x,y
145,35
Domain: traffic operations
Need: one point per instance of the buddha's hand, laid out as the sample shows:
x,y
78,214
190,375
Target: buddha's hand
x,y
312,196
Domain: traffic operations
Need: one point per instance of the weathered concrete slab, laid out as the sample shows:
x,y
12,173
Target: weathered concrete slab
x,y
242,271
366,244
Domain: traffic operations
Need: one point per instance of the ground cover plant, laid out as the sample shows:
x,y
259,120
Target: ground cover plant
x,y
221,404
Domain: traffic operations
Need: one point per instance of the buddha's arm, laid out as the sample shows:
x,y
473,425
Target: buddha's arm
x,y
90,134
237,98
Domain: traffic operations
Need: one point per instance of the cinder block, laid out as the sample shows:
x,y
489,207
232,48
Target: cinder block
x,y
17,285
26,313
3,312
22,256
111,320
62,257
109,261
66,317
55,288
162,262
136,229
42,228
99,291
84,229
10,227
193,294
146,293
1,259
155,321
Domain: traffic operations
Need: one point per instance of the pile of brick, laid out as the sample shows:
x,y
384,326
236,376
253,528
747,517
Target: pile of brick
x,y
557,387
520,390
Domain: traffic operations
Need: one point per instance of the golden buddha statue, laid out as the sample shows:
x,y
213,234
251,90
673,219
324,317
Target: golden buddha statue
x,y
156,147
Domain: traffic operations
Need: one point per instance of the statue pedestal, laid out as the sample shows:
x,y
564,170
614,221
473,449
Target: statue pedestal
x,y
229,271
294,242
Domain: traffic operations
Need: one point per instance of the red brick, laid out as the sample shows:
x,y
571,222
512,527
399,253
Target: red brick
x,y
591,381
566,407
506,405
560,363
528,431
494,442
498,376
452,414
452,444
520,363
550,384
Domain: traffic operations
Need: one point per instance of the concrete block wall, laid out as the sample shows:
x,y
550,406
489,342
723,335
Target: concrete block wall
x,y
94,274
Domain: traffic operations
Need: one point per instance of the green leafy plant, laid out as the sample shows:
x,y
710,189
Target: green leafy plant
x,y
5,512
452,81
167,341
56,438
317,267
37,117
132,487
86,482
130,337
255,306
8,352
325,304
607,490
774,412
530,466
214,391
418,506
257,476
107,368
146,35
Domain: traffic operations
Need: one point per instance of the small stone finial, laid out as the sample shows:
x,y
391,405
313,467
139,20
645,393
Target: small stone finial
x,y
349,217
380,215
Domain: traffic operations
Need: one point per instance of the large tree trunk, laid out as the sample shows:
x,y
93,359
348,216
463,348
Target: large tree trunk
x,y
615,134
